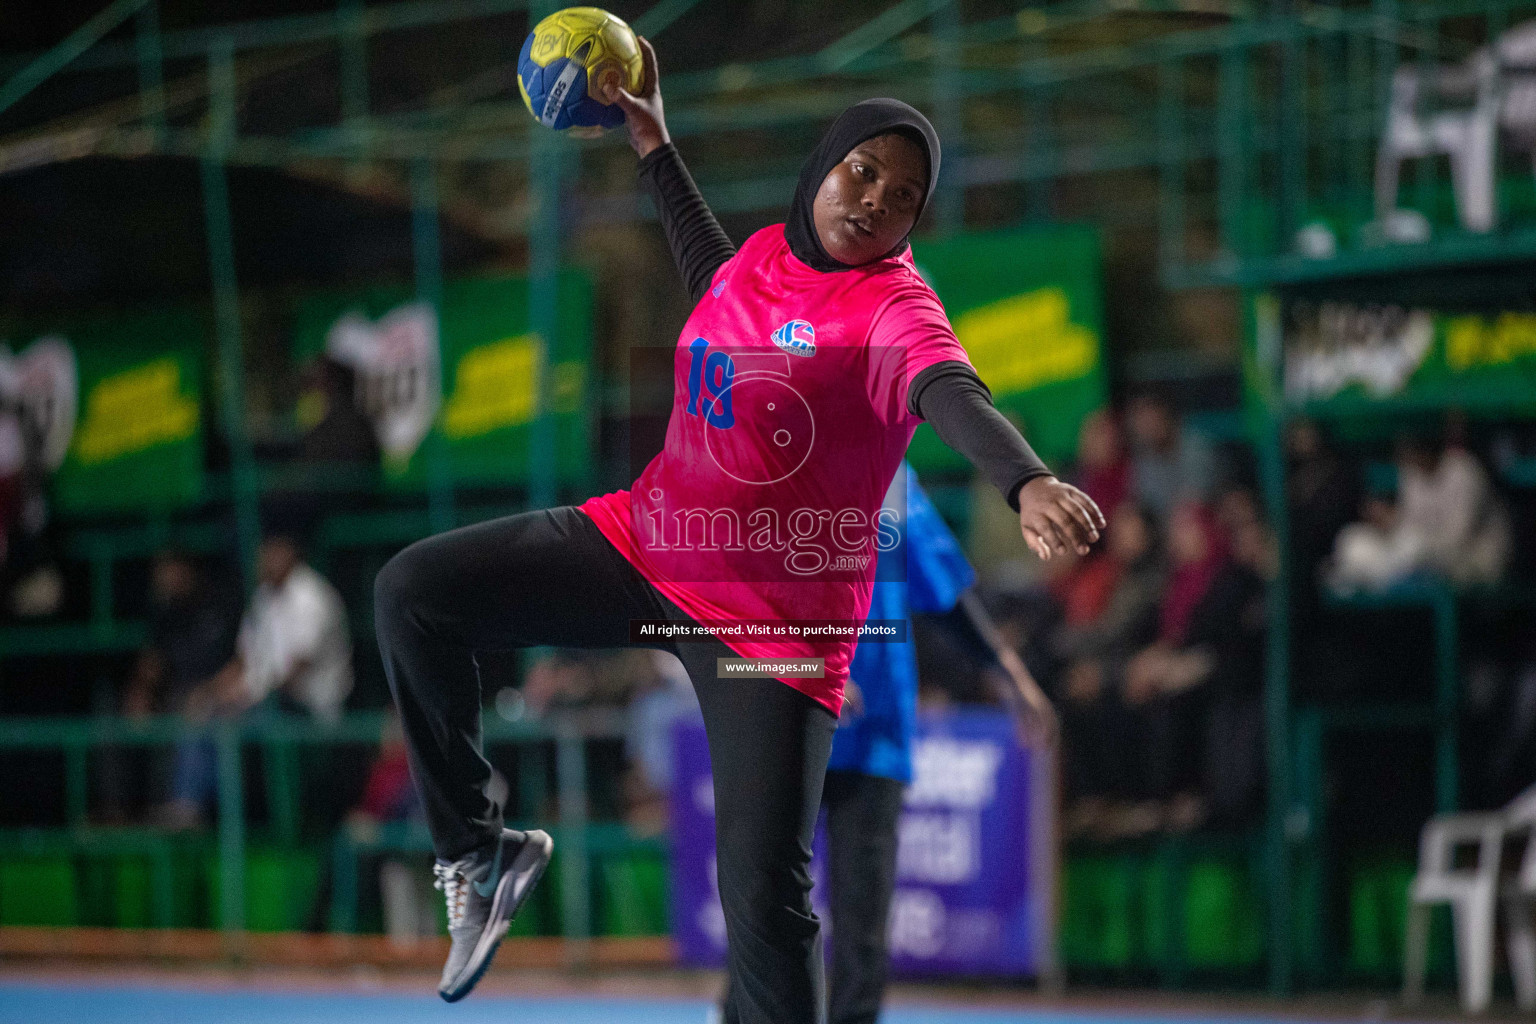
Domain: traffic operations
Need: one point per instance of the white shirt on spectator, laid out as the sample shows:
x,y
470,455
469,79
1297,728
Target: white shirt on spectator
x,y
301,621
1463,526
1450,522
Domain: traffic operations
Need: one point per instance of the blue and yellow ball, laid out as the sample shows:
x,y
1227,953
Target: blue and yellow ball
x,y
566,60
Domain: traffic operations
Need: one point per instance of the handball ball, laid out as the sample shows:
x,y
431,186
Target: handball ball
x,y
566,61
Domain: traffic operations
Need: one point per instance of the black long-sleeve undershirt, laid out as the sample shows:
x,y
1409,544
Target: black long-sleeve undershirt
x,y
948,395
699,245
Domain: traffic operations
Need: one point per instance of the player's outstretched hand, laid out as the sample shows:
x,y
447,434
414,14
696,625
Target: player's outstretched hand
x,y
642,112
1057,518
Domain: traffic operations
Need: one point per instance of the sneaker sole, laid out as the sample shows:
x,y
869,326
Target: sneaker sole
x,y
530,863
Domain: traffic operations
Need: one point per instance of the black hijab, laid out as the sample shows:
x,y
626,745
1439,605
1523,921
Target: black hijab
x,y
858,123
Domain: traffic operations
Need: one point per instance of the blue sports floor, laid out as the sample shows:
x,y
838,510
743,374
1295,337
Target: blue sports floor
x,y
23,1003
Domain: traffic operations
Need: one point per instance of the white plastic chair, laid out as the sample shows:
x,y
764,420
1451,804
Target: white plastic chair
x,y
1519,897
1461,123
1463,111
1474,894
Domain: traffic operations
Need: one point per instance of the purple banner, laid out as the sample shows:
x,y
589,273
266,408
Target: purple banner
x,y
974,875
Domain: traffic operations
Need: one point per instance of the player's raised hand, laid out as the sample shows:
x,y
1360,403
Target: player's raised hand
x,y
643,116
1057,518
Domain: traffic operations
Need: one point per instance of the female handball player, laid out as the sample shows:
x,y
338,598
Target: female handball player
x,y
812,354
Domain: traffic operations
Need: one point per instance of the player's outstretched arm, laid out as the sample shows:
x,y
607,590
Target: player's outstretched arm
x,y
699,245
1055,517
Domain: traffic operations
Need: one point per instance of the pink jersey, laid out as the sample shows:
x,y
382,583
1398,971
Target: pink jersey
x,y
788,423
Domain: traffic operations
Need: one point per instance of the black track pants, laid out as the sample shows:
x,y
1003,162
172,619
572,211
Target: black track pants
x,y
550,578
862,813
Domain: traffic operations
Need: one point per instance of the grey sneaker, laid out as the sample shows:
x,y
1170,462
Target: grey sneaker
x,y
484,891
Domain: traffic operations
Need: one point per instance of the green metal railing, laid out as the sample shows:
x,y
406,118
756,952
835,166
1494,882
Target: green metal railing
x,y
579,837
204,529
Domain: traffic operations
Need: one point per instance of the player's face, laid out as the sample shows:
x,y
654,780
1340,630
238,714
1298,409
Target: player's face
x,y
869,202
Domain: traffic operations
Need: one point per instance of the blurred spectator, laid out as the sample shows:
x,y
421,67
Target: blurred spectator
x,y
1169,463
1323,492
1084,589
1253,545
1448,523
191,636
336,430
1096,727
1203,675
1234,732
1103,468
388,795
1448,496
1068,588
293,655
294,646
1127,615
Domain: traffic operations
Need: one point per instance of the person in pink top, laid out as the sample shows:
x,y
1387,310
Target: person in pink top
x,y
812,354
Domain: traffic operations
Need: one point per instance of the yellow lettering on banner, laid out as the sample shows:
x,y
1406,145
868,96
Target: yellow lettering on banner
x,y
1026,341
1463,340
1471,341
495,386
134,410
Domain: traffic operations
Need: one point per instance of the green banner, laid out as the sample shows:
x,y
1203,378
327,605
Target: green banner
x,y
463,380
1026,305
1337,357
137,436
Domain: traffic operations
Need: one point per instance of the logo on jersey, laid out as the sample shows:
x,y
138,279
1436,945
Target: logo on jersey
x,y
797,337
